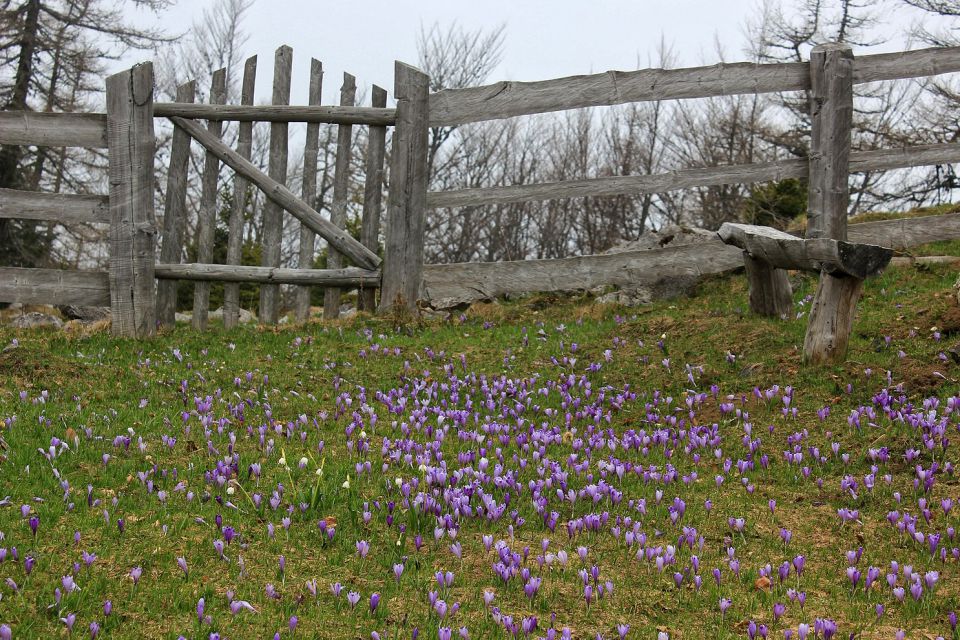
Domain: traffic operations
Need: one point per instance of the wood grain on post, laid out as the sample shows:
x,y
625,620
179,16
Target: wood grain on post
x,y
831,114
277,168
174,211
341,188
131,143
282,196
207,220
231,290
407,197
373,195
831,120
311,150
770,291
831,319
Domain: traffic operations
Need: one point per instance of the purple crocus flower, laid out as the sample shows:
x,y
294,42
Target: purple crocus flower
x,y
798,564
236,606
398,571
135,573
182,563
94,630
374,601
70,620
6,633
778,610
353,598
363,548
34,524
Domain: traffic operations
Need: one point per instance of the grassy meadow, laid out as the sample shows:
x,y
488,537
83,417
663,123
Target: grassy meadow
x,y
540,468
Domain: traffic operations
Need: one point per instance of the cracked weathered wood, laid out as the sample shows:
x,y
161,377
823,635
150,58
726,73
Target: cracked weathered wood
x,y
509,99
65,208
348,277
53,129
280,113
407,197
860,161
831,319
174,212
207,218
54,286
467,282
780,249
831,116
341,186
770,291
277,171
373,194
132,228
231,290
308,192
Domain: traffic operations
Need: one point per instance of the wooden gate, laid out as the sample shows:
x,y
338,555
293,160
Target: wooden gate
x,y
406,196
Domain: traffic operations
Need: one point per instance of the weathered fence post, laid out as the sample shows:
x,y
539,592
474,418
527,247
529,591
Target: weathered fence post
x,y
406,201
207,220
231,290
831,113
130,144
373,196
174,212
272,212
311,149
770,291
341,185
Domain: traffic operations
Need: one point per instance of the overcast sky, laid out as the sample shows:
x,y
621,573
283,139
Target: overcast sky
x,y
544,38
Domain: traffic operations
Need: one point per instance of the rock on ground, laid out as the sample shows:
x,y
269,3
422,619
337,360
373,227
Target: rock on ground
x,y
36,320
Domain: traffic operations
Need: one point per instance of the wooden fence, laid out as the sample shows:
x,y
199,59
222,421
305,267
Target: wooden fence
x,y
126,130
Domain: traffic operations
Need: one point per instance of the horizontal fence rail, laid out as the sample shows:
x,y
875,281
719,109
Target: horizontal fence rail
x,y
54,129
347,277
508,99
55,286
382,117
61,207
448,285
876,160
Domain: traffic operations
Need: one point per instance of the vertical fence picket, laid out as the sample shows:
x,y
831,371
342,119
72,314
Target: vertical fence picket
x,y
406,200
311,150
207,220
231,290
131,145
174,212
373,195
272,213
341,186
831,112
